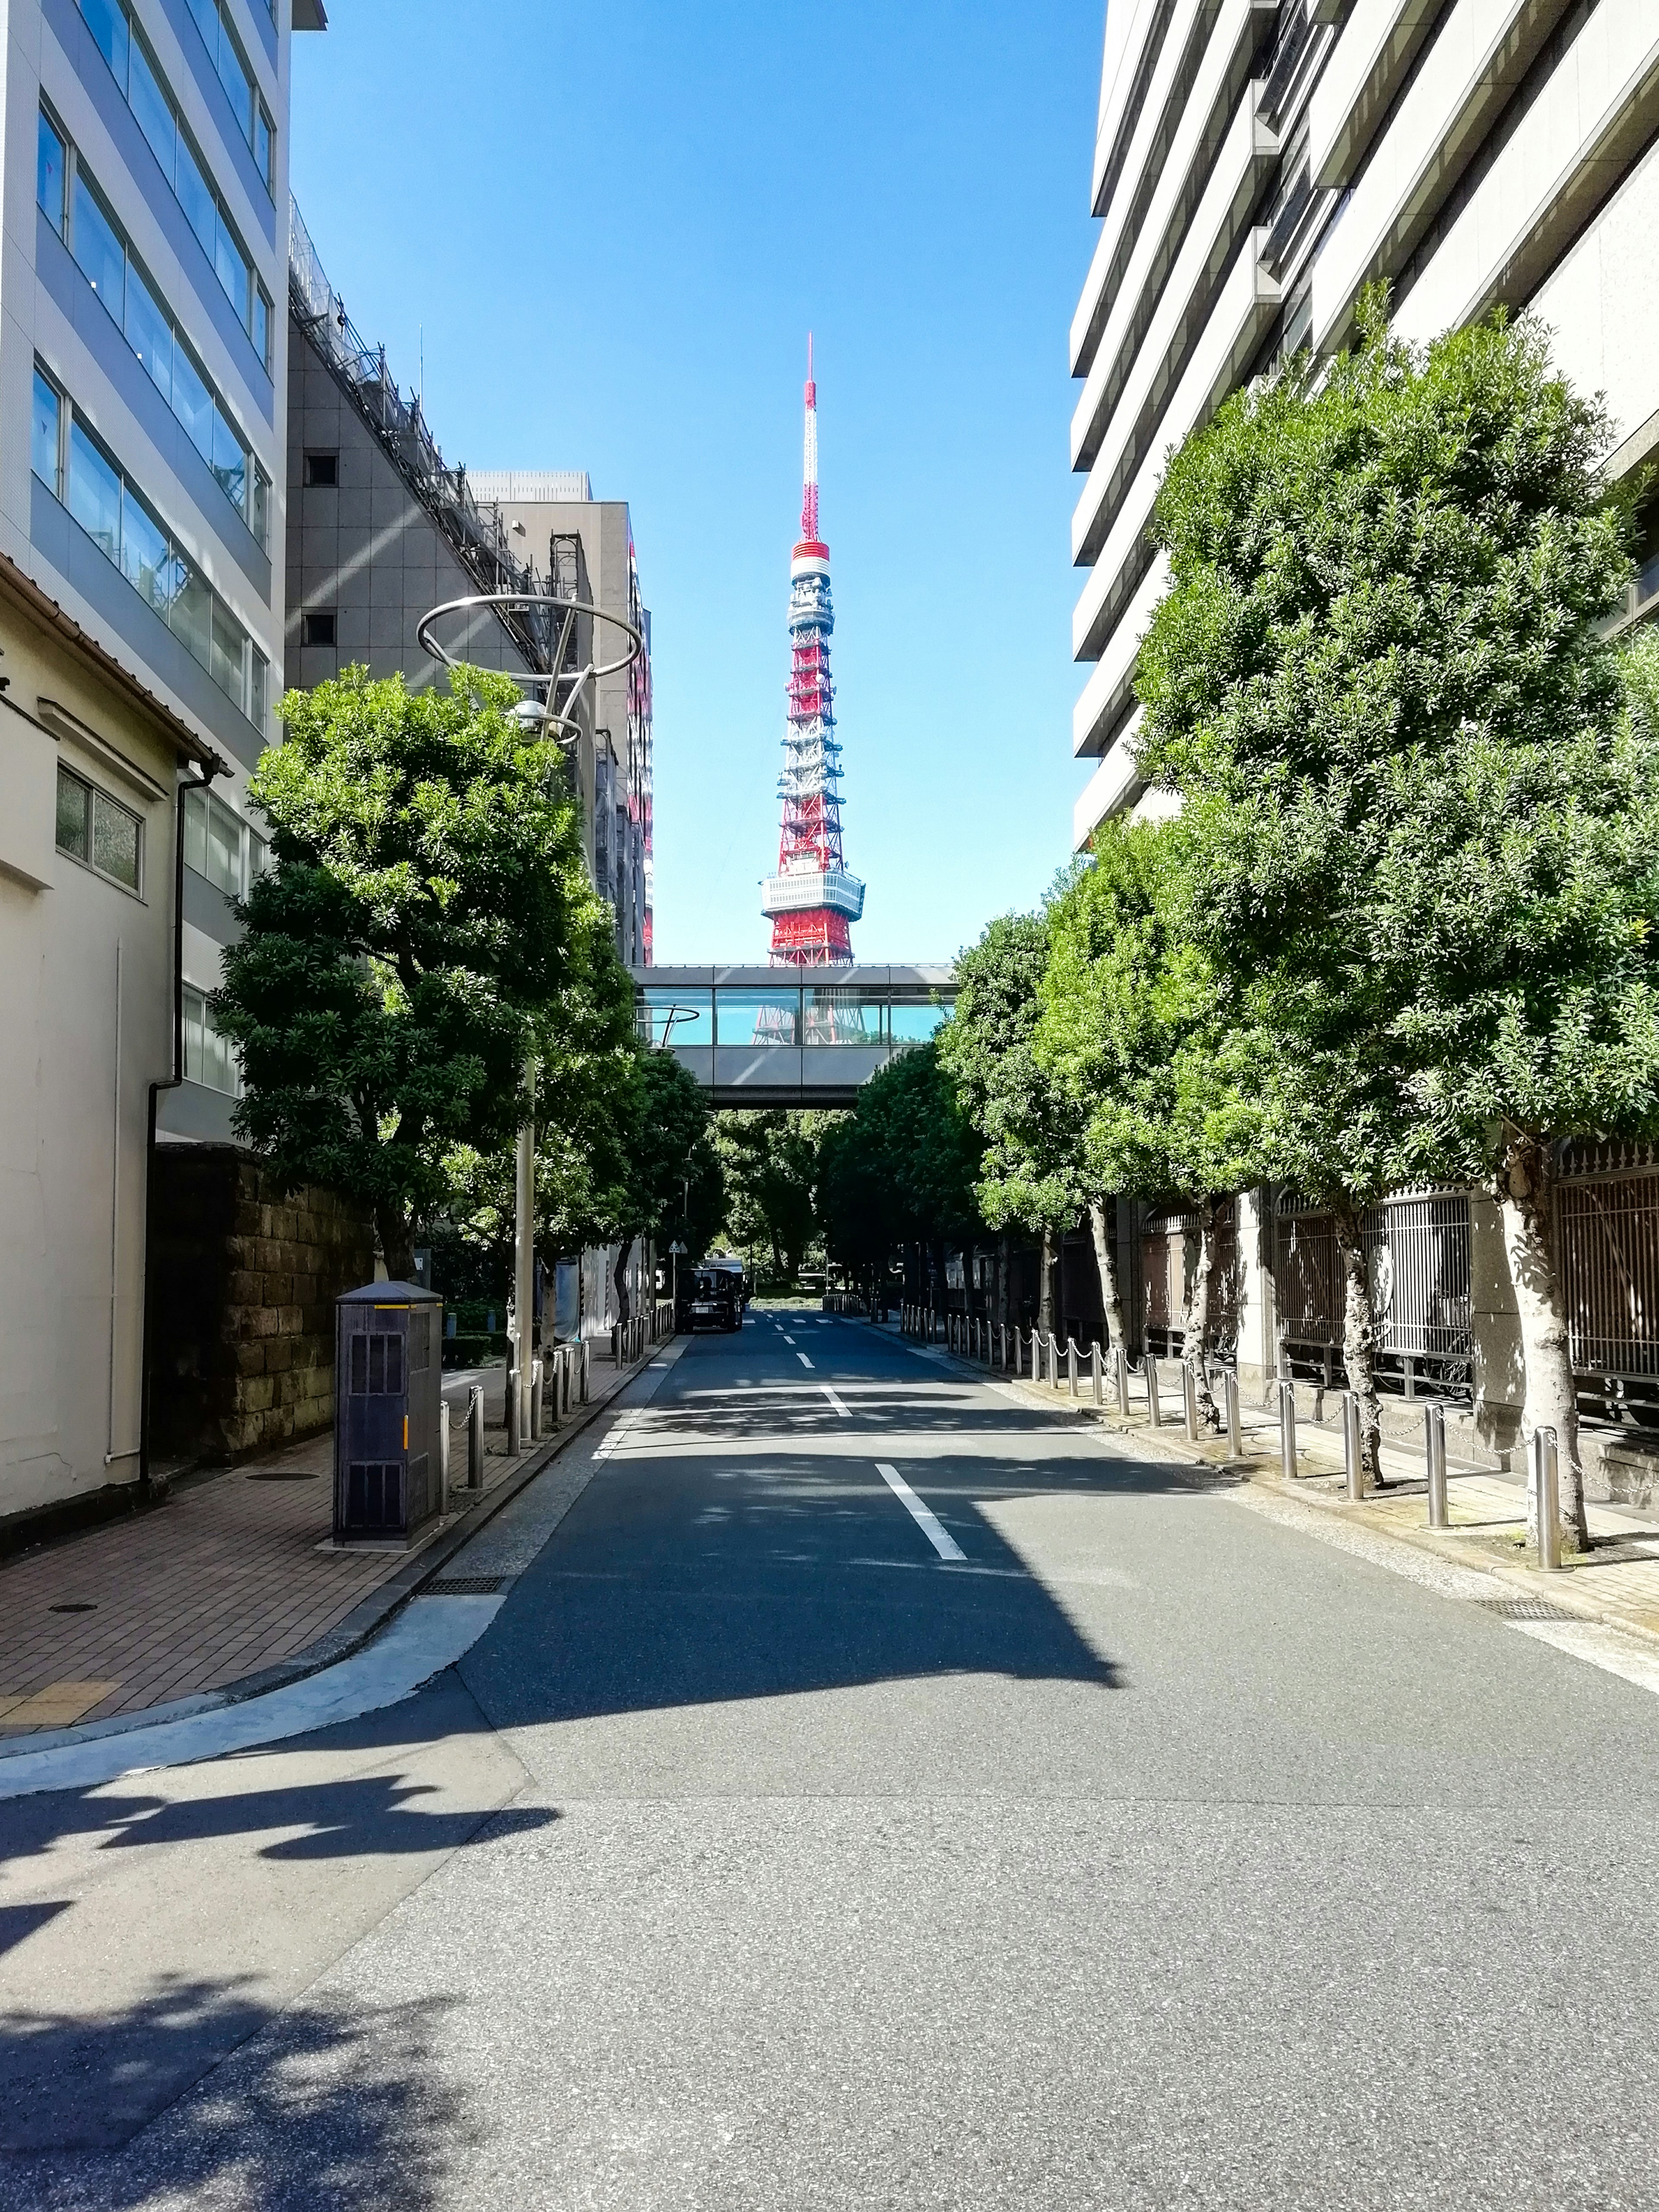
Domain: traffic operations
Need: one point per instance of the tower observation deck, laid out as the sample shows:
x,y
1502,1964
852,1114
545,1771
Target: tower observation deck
x,y
813,899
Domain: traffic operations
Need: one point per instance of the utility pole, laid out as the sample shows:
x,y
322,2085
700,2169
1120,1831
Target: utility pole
x,y
524,1258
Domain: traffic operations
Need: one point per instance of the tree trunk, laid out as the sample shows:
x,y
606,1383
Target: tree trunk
x,y
1045,1320
1526,1194
619,1276
1002,1280
397,1237
1359,1340
1101,1222
1197,1315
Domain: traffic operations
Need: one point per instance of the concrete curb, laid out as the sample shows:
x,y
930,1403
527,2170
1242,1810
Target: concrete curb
x,y
366,1617
1264,1474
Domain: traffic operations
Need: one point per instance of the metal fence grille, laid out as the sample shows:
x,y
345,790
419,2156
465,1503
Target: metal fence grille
x,y
1610,1269
1169,1260
1417,1262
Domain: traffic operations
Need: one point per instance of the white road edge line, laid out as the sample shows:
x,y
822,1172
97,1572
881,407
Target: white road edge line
x,y
845,1412
924,1516
804,1360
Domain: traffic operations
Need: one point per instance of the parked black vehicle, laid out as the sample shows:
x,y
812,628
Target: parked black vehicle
x,y
712,1296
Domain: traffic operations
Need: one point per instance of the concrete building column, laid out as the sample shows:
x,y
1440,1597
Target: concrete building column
x,y
1258,1322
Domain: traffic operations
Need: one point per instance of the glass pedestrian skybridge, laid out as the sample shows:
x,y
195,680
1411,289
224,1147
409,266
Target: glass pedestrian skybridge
x,y
789,1036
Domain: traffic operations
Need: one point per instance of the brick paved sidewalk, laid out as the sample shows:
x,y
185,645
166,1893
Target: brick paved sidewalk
x,y
232,1574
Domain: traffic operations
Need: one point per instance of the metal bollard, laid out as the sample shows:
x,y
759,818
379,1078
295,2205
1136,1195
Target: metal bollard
x,y
1235,1424
535,1401
514,1414
1097,1389
1434,1453
1189,1402
1071,1365
1547,1498
587,1349
475,1438
1287,1427
443,1455
1154,1410
1353,1463
1120,1358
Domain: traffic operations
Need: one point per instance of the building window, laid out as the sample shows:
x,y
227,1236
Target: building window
x,y
322,469
253,117
219,846
72,204
138,74
317,628
209,1059
98,830
128,530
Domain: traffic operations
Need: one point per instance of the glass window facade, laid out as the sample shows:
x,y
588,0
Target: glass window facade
x,y
757,1018
219,845
253,117
145,90
913,1024
677,1018
121,523
98,830
842,1017
105,255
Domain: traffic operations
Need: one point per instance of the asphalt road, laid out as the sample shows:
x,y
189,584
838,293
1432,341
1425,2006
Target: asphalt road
x,y
764,1854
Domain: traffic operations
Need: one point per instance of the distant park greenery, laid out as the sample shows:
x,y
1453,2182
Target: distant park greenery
x,y
1397,922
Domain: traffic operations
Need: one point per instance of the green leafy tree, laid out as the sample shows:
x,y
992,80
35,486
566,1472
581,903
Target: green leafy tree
x,y
770,1156
909,1163
1138,1030
1424,815
1030,1171
676,1185
428,878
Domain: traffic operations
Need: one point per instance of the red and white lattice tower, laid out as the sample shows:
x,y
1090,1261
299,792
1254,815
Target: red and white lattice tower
x,y
812,900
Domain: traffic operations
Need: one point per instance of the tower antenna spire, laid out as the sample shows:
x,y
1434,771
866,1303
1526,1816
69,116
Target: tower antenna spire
x,y
813,900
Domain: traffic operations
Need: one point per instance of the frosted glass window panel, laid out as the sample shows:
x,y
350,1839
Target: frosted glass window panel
x,y
196,814
261,325
262,147
95,497
195,197
146,556
150,333
106,19
115,840
758,1018
73,816
192,403
98,250
154,110
51,166
258,680
259,514
224,850
44,447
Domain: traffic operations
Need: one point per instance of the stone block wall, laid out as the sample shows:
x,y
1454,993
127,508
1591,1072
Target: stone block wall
x,y
243,1282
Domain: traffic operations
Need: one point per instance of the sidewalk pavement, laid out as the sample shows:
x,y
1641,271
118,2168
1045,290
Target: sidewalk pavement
x,y
232,1575
1617,1581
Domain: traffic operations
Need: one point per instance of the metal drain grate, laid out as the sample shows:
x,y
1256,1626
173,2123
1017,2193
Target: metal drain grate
x,y
468,1585
1525,1608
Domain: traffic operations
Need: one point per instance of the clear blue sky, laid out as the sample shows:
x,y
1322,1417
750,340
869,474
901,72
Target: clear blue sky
x,y
614,226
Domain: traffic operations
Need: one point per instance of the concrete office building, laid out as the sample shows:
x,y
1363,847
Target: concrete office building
x,y
1259,163
585,547
143,365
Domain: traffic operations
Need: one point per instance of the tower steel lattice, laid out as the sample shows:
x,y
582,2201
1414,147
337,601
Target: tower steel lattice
x,y
813,900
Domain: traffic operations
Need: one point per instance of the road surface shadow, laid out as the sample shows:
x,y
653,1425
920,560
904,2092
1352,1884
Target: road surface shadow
x,y
324,2106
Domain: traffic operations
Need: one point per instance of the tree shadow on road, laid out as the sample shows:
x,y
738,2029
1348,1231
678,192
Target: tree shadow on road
x,y
327,2108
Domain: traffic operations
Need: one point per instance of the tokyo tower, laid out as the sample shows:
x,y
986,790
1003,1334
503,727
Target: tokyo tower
x,y
812,900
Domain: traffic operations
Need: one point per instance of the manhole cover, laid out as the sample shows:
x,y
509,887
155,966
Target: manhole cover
x,y
1525,1608
467,1585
